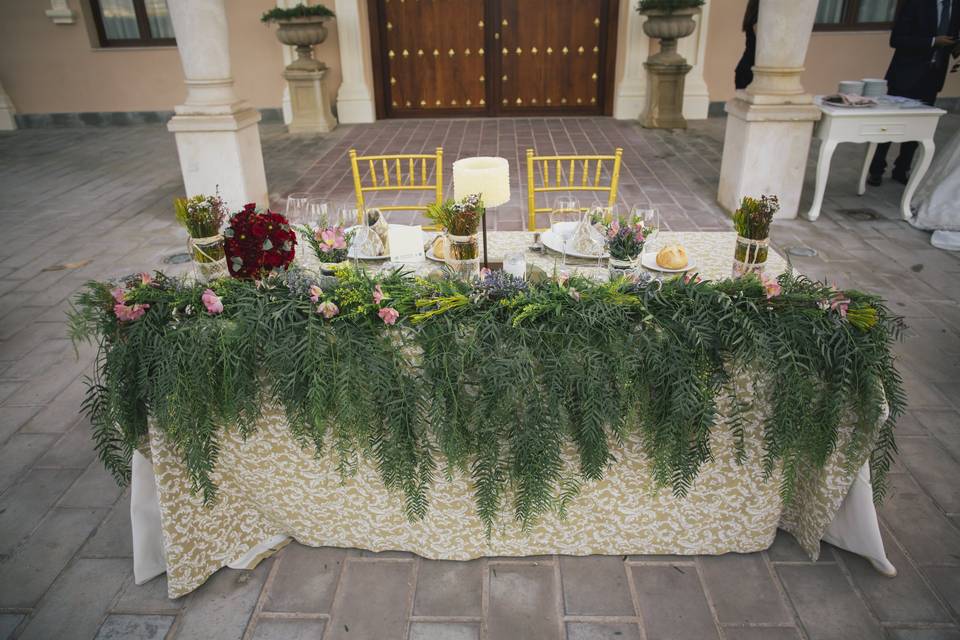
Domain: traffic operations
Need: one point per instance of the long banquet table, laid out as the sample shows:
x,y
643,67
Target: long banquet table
x,y
271,489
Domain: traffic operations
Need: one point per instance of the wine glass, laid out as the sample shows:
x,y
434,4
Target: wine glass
x,y
296,209
650,219
317,213
564,218
348,216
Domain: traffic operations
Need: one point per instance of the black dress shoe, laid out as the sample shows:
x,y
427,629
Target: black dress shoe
x,y
874,180
902,178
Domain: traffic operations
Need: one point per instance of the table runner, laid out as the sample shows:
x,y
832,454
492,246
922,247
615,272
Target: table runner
x,y
270,488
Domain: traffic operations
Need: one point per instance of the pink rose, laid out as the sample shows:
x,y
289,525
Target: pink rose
x,y
484,272
692,277
129,314
118,295
212,302
378,295
389,315
315,293
328,309
145,278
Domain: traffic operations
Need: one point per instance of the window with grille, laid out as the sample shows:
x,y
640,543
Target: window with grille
x,y
133,23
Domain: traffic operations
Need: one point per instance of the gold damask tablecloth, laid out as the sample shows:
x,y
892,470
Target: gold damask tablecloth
x,y
270,488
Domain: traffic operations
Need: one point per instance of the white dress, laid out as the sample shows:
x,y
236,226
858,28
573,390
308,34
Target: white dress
x,y
939,198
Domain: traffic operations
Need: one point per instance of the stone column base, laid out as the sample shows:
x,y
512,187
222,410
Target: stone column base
x,y
222,152
665,96
765,151
309,102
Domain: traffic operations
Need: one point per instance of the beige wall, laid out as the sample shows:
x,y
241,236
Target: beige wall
x,y
832,56
50,68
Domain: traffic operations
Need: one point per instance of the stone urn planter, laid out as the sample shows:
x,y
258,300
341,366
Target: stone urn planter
x,y
668,27
667,21
303,27
304,34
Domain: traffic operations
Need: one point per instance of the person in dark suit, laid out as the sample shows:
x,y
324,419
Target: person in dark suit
x,y
923,37
743,75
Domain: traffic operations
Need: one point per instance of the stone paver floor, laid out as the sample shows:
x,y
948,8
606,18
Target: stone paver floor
x,y
96,203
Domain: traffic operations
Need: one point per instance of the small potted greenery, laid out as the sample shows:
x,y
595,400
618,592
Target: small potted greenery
x,y
668,21
752,223
302,27
202,216
460,221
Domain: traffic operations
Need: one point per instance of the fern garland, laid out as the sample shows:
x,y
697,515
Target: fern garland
x,y
494,379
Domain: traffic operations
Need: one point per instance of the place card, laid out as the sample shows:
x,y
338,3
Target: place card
x,y
406,243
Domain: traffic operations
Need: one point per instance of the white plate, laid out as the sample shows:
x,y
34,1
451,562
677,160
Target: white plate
x,y
649,261
554,242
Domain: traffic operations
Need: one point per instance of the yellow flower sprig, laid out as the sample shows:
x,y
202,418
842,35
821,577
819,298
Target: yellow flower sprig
x,y
441,305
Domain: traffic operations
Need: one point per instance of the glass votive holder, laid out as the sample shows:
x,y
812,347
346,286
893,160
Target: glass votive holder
x,y
515,263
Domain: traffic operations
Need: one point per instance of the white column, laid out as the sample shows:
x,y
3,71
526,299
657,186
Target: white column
x,y
7,121
769,126
630,90
218,140
696,96
288,57
633,48
355,97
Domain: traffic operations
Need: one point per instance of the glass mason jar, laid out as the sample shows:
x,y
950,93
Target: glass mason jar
x,y
209,257
750,256
618,268
463,256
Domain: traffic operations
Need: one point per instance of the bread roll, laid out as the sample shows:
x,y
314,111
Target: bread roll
x,y
673,256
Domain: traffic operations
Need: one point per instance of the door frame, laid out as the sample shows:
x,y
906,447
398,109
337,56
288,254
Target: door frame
x,y
493,108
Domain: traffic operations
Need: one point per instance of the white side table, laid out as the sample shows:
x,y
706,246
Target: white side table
x,y
873,125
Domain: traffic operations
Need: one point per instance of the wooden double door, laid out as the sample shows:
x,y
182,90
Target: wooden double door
x,y
493,57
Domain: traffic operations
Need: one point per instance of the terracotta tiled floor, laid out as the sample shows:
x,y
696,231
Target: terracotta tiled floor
x,y
676,174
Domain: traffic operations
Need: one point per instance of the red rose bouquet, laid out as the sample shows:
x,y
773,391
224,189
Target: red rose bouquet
x,y
258,243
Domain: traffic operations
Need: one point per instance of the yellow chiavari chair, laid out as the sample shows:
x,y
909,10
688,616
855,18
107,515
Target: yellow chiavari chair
x,y
401,172
569,173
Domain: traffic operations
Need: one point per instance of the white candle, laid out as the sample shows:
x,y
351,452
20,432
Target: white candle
x,y
485,175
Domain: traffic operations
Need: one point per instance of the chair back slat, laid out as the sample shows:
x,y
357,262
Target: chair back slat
x,y
385,173
565,178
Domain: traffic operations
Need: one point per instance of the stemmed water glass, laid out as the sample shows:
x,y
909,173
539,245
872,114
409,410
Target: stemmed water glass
x,y
564,218
317,213
650,219
296,209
